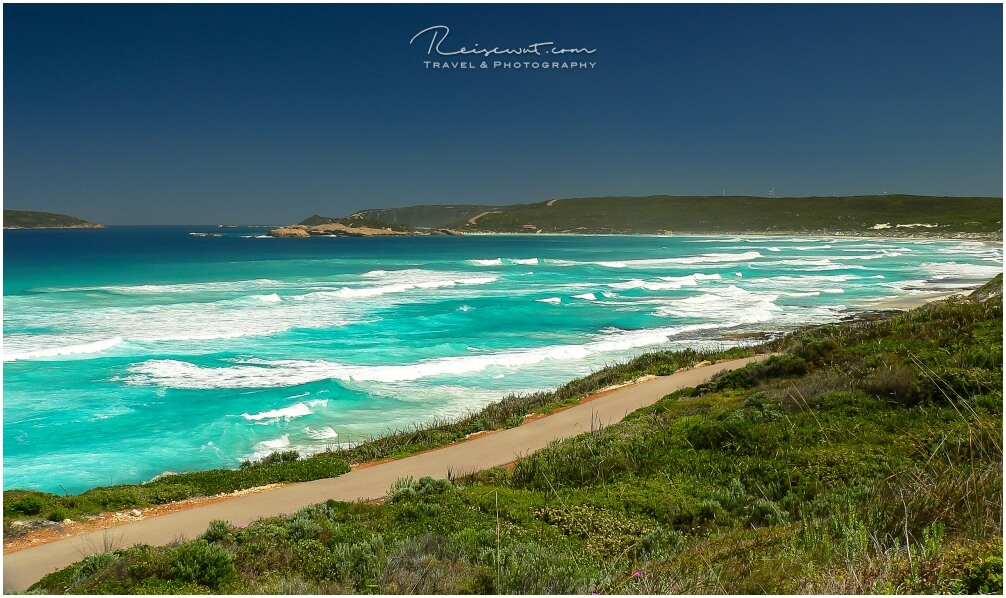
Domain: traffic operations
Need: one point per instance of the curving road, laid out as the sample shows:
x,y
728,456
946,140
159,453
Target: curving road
x,y
25,567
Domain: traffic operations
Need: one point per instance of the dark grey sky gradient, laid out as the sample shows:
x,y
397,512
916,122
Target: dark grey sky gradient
x,y
267,114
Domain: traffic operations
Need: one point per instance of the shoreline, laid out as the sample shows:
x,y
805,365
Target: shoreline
x,y
908,302
113,520
758,336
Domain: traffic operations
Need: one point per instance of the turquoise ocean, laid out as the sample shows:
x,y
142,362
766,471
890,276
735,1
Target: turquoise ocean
x,y
133,351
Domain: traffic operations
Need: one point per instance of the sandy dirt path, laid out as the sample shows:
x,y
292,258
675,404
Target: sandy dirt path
x,y
476,217
25,567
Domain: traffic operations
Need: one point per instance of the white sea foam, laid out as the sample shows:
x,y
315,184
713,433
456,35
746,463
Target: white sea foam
x,y
492,262
565,263
21,347
958,270
711,260
869,256
587,296
190,287
178,322
664,283
257,373
388,289
287,413
244,316
325,433
705,258
808,264
278,443
552,300
808,285
730,304
525,262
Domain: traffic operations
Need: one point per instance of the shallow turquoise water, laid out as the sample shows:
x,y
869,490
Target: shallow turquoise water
x,y
130,351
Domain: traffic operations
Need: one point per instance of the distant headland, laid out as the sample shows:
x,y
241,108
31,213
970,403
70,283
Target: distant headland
x,y
864,215
26,219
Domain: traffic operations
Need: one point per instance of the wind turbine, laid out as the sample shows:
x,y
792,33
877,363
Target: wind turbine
x,y
771,193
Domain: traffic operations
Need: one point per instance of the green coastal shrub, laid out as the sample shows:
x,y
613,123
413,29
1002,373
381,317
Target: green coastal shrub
x,y
27,505
767,512
202,563
218,530
778,366
93,564
160,494
408,489
115,498
896,385
58,514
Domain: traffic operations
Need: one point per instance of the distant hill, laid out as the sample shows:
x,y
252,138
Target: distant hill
x,y
877,215
25,219
872,214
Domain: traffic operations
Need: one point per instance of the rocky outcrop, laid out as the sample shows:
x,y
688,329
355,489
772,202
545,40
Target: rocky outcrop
x,y
290,231
334,229
339,229
446,232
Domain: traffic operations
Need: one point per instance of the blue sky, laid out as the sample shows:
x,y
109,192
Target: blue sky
x,y
163,114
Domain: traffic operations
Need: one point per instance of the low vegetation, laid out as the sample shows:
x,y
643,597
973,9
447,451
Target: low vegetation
x,y
864,458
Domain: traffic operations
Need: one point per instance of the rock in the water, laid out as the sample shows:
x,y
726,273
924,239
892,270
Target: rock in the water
x,y
289,231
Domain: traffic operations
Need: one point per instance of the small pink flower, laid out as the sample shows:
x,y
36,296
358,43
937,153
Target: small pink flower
x,y
637,574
